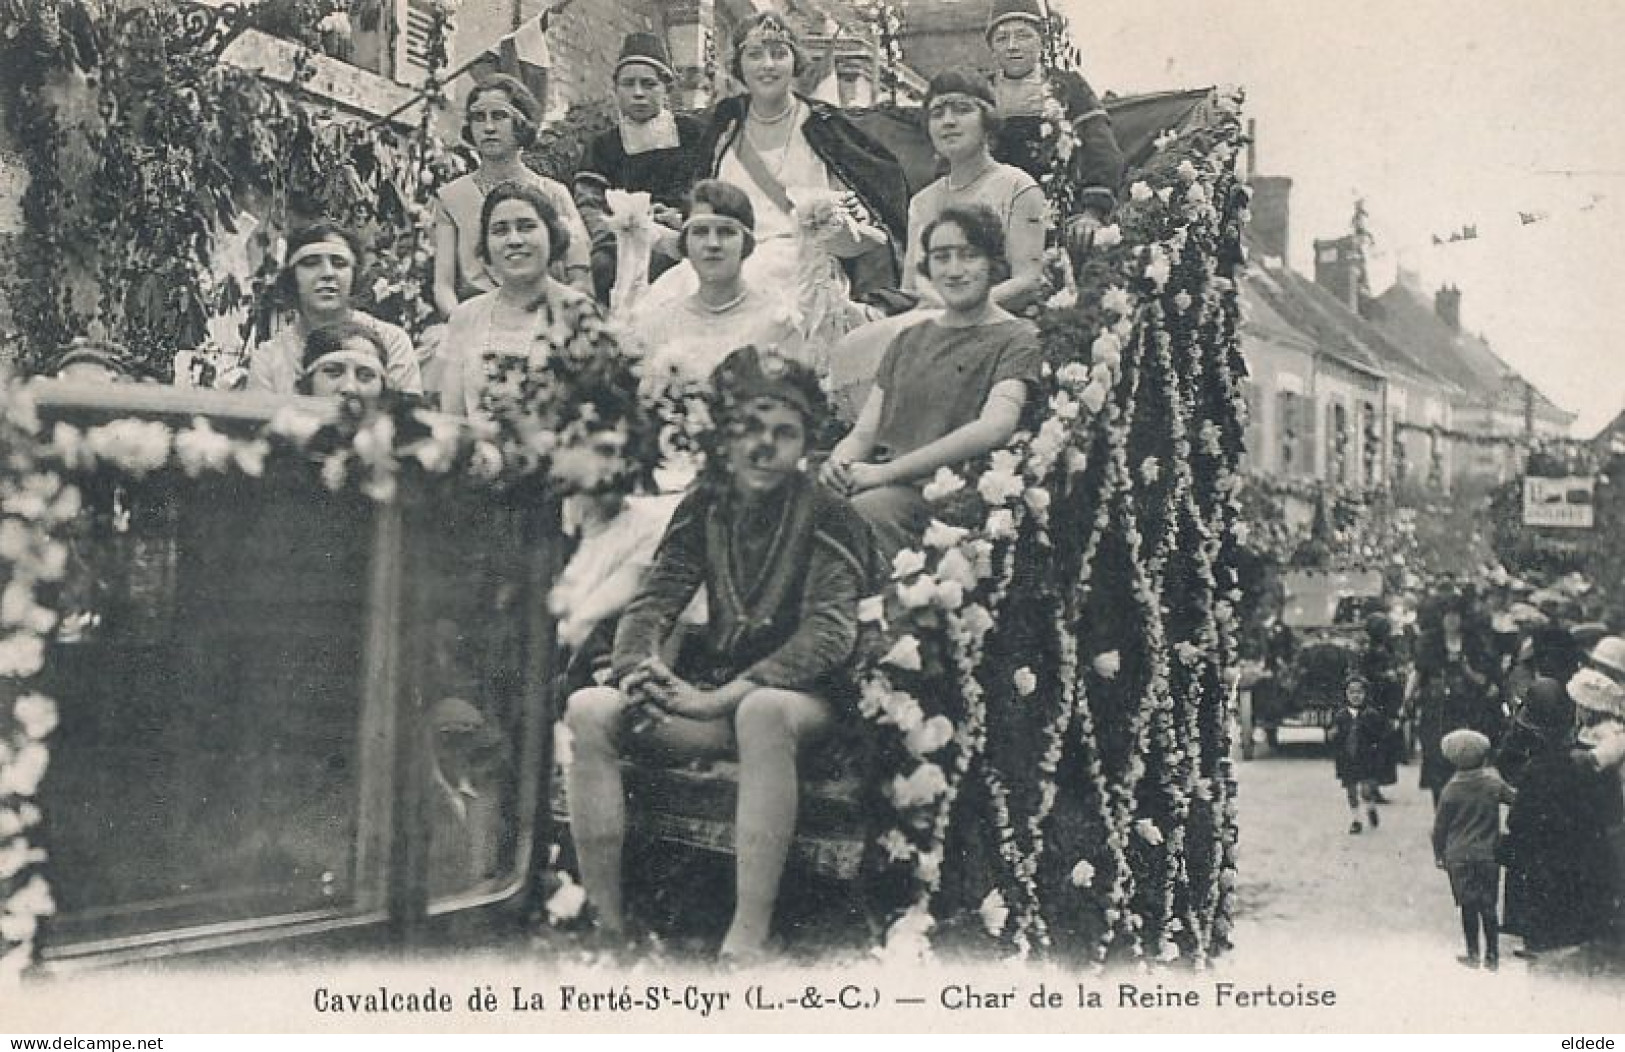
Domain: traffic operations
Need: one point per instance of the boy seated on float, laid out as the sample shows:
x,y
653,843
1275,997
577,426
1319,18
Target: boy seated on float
x,y
947,390
784,563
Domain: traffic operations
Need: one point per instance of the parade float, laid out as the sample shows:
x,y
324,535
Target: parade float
x,y
274,670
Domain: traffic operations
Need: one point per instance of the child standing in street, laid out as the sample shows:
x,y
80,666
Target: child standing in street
x,y
1466,835
1359,739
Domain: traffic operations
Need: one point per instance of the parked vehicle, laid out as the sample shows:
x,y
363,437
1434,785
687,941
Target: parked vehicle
x,y
1324,612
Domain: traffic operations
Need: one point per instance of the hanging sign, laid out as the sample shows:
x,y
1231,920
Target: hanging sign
x,y
1560,502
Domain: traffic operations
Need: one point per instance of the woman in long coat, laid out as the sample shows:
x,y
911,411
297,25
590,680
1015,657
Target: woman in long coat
x,y
1454,689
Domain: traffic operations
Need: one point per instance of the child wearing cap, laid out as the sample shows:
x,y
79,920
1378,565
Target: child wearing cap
x,y
1359,740
783,564
1466,838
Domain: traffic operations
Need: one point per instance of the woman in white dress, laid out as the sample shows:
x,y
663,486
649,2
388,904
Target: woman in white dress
x,y
772,142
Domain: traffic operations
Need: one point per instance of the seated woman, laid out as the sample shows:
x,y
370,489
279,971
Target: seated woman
x,y
962,123
948,390
785,563
491,340
500,120
316,282
689,339
347,359
772,141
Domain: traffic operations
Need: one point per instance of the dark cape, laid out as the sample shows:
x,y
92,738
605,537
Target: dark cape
x,y
1097,163
864,165
666,175
1556,853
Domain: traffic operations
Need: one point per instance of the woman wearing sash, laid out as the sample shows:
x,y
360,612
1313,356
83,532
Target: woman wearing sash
x,y
772,141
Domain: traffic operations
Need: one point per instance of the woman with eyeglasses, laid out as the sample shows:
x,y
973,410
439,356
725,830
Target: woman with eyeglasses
x,y
948,390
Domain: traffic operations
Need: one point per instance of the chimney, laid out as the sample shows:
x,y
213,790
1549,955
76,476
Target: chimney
x,y
1447,305
1339,265
1271,225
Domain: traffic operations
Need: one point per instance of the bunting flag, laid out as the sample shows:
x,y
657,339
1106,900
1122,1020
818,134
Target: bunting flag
x,y
522,54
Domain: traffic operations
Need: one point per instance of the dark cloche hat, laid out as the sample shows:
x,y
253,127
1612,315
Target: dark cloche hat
x,y
648,49
752,372
1009,10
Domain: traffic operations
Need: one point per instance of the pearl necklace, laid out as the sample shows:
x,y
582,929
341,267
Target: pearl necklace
x,y
757,118
723,308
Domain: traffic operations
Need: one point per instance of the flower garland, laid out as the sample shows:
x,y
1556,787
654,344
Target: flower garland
x,y
1133,425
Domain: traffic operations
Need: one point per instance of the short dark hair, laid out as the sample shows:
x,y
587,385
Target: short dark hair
x,y
724,199
530,110
558,235
320,230
980,227
326,339
761,18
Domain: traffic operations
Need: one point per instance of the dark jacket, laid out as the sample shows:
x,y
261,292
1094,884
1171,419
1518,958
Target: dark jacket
x,y
1556,852
865,166
1359,744
1096,166
782,590
666,175
1467,824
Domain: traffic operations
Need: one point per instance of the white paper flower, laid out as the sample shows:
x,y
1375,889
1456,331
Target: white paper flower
x,y
872,609
1158,270
1117,300
36,714
250,456
1189,653
975,620
954,566
1150,470
1108,236
994,913
1026,682
1108,664
1065,299
1073,373
897,846
1001,525
921,591
1187,171
999,487
928,866
336,23
1094,397
1140,191
201,448
1038,499
138,446
295,425
950,595
930,735
945,483
1148,831
922,786
11,823
1241,531
22,654
565,904
905,653
21,777
942,536
907,563
1082,874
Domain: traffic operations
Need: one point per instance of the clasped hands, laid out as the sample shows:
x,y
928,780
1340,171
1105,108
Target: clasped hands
x,y
849,478
661,694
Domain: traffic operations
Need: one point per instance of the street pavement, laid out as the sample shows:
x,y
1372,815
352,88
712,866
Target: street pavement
x,y
1370,915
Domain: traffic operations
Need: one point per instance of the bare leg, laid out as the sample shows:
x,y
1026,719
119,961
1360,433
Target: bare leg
x,y
597,798
771,725
596,718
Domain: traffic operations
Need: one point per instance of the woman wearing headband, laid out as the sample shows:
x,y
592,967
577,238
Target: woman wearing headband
x,y
501,118
772,141
316,282
347,359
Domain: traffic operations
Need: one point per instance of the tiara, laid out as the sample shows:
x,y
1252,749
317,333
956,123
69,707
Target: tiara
x,y
768,31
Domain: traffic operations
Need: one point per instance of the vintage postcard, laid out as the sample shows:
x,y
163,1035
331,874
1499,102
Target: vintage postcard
x,y
581,516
